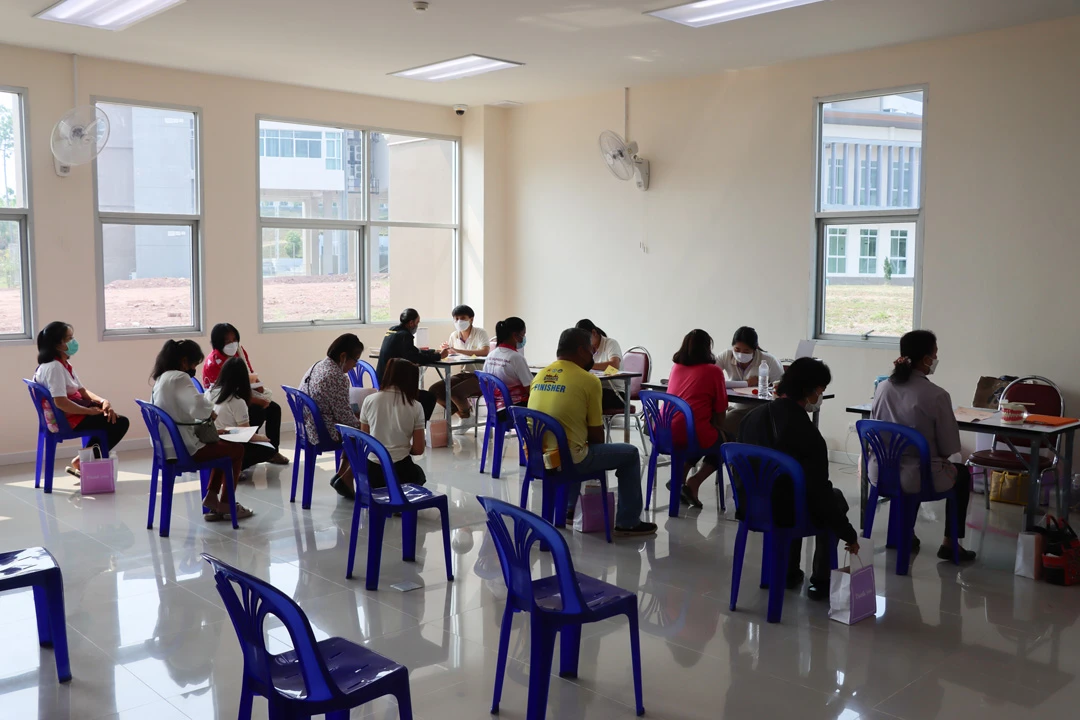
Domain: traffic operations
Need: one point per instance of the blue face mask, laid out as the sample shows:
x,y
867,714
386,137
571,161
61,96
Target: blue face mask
x,y
72,347
521,345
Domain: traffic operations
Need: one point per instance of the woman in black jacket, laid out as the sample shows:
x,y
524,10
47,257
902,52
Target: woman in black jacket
x,y
399,343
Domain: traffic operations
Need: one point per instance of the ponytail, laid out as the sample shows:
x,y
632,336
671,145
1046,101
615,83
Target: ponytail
x,y
505,329
172,353
914,346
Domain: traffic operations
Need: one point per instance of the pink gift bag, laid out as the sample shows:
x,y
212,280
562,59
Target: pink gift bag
x,y
852,595
98,474
589,513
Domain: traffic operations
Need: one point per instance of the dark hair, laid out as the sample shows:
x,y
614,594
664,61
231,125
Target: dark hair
x,y
408,315
348,344
914,346
50,336
746,335
589,325
505,328
234,381
463,310
173,352
572,340
219,333
802,377
696,349
403,375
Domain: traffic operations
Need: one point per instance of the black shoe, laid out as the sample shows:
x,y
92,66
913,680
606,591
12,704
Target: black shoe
x,y
343,487
817,592
945,553
642,528
795,580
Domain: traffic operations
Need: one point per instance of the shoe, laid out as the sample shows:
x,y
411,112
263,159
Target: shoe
x,y
213,517
945,553
73,471
243,512
278,459
689,499
343,488
795,580
642,528
816,592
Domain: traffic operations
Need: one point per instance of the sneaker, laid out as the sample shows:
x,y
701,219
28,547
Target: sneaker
x,y
945,553
642,528
817,592
344,489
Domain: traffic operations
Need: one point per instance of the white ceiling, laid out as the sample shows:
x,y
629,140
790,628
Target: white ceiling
x,y
569,47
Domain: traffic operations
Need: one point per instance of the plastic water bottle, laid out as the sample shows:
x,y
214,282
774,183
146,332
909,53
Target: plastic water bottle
x,y
763,380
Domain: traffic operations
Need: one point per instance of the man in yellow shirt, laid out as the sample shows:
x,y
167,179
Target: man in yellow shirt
x,y
568,392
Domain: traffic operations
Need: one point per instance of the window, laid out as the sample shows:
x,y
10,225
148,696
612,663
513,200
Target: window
x,y
879,136
149,217
323,261
16,321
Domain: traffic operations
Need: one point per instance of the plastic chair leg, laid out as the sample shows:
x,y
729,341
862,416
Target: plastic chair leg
x,y
377,521
483,453
230,487
444,518
607,516
504,649
357,509
496,460
525,490
41,611
540,656
650,480
408,536
50,461
153,495
404,702
954,536
54,594
895,523
766,560
338,715
871,511
569,650
295,472
310,456
168,479
907,511
40,458
246,698
737,563
635,657
676,485
777,587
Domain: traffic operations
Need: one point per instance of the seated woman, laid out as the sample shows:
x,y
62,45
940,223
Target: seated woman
x,y
395,418
327,382
507,361
909,398
465,340
741,363
262,410
697,379
82,409
173,392
606,352
231,395
399,343
785,425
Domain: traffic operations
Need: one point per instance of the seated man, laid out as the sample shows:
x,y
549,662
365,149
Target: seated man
x,y
568,392
784,424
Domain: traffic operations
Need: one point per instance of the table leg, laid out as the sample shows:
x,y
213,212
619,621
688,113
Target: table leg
x,y
816,416
1032,508
449,399
1067,462
626,411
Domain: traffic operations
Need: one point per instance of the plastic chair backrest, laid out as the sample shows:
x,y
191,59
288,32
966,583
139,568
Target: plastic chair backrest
x,y
300,402
493,389
358,445
155,417
1042,393
660,410
514,555
198,385
40,395
532,426
889,443
363,368
249,600
758,469
638,362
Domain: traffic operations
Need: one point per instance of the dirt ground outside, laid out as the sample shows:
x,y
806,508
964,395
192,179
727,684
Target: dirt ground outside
x,y
855,309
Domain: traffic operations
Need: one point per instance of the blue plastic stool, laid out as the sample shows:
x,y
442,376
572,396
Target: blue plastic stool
x,y
558,604
492,388
328,677
312,448
48,440
660,410
363,369
36,567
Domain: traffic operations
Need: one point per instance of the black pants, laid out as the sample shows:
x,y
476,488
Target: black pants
x,y
819,576
611,400
270,416
406,471
255,454
428,401
503,415
963,495
114,432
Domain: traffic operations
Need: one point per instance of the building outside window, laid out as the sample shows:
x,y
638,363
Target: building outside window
x,y
837,250
867,252
898,251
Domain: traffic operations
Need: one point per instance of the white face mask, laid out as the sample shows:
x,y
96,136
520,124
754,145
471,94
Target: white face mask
x,y
933,367
521,345
813,406
231,349
743,357
461,325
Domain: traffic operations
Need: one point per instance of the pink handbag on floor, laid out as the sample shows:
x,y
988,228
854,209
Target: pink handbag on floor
x,y
98,474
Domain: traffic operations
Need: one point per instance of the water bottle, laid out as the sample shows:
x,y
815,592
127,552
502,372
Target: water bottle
x,y
763,380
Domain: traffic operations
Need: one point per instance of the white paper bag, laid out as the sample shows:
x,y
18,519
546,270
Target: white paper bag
x,y
1029,552
852,592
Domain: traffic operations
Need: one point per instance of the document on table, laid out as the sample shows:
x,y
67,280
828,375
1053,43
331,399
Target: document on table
x,y
238,434
733,384
968,414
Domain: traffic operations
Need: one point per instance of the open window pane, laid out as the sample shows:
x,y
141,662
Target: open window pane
x,y
411,267
12,309
12,176
412,179
308,171
309,275
148,276
869,286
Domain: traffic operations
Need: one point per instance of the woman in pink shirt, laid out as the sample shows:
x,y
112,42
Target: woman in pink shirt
x,y
697,379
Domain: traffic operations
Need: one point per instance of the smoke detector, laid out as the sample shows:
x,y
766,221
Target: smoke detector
x,y
420,5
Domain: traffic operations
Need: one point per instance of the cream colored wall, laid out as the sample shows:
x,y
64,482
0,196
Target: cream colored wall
x,y
729,220
63,242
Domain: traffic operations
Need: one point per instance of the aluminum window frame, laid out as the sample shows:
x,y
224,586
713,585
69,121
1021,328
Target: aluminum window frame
x,y
25,218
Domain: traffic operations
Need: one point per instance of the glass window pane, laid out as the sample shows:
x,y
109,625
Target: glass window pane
x,y
296,172
13,187
411,267
147,276
412,179
309,275
149,164
885,132
11,279
880,296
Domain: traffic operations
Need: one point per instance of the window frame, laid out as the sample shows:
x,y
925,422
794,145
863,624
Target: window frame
x,y
195,221
883,214
25,218
360,227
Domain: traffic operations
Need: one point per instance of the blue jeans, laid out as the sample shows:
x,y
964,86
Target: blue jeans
x,y
623,458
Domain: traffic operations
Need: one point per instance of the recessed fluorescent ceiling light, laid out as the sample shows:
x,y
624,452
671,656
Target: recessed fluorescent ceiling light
x,y
457,68
105,14
710,12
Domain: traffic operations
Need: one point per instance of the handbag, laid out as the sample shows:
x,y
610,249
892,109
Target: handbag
x,y
852,592
1009,487
205,431
1061,559
97,474
589,513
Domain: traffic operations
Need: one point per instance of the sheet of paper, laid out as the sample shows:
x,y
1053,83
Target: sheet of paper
x,y
733,384
806,349
357,396
264,444
968,414
238,434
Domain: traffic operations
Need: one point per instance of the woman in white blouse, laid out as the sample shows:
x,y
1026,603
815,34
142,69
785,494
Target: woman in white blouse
x,y
232,394
467,339
174,393
507,361
741,363
606,353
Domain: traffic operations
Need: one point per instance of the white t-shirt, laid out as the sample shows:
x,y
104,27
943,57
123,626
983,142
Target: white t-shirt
x,y
607,351
174,393
392,420
731,368
54,376
511,367
478,340
232,413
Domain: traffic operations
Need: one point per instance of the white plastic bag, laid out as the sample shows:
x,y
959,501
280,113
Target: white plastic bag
x,y
852,591
1029,552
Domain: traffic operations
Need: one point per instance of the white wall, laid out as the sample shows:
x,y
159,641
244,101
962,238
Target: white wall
x,y
729,220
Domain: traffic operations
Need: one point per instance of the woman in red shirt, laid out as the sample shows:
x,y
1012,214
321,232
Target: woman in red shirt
x,y
697,379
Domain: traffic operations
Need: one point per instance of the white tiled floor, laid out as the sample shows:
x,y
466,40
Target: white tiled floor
x,y
150,638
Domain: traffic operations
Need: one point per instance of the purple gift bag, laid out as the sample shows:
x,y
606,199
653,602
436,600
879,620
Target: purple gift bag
x,y
852,595
589,513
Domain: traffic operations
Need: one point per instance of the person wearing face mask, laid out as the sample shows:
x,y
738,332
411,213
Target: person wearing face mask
x,y
467,339
174,393
785,425
399,342
507,361
262,410
741,363
82,409
909,398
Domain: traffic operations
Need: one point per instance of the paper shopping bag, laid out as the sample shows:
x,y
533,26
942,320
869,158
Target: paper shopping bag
x,y
852,595
98,474
1029,552
589,513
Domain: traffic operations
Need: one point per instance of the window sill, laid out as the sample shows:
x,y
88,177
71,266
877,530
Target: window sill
x,y
143,334
857,342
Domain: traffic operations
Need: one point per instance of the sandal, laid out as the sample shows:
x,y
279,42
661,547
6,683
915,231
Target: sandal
x,y
73,471
243,512
278,459
213,517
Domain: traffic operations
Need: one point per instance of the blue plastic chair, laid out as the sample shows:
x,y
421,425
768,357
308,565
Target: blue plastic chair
x,y
36,567
155,418
198,385
557,604
48,440
889,443
299,403
493,389
329,677
758,469
532,426
660,410
363,369
384,502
